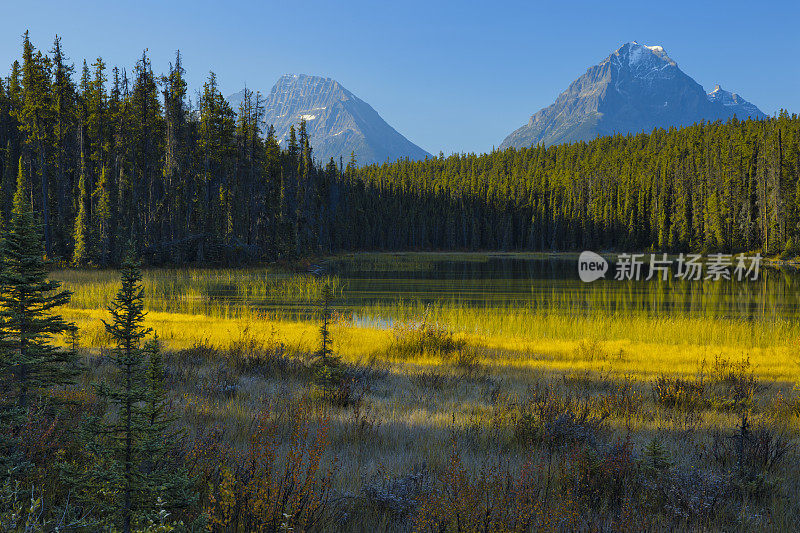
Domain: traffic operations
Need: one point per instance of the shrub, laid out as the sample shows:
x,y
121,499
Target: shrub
x,y
424,338
758,450
280,486
494,499
590,351
605,478
220,383
622,398
198,352
679,393
553,419
465,359
250,353
734,384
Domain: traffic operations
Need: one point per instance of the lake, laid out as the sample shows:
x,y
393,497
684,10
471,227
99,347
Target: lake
x,y
550,282
379,287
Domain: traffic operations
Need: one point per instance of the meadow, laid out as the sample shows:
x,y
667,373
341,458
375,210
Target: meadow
x,y
452,415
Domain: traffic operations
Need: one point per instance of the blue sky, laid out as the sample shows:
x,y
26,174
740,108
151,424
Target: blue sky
x,y
451,76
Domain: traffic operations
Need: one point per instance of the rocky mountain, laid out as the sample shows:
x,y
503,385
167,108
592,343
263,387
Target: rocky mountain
x,y
635,89
338,122
740,107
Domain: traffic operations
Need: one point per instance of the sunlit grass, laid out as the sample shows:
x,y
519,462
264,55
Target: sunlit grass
x,y
420,398
529,323
642,347
213,306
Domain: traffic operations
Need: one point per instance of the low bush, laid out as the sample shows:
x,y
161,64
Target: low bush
x,y
734,384
425,338
398,496
555,419
250,353
280,485
679,393
494,499
590,351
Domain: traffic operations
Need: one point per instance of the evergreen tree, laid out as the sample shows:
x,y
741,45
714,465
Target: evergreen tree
x,y
35,118
64,124
329,375
166,478
29,362
82,241
129,446
176,151
203,184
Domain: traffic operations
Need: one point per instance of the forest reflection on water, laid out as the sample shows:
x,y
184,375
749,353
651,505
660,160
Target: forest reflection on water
x,y
550,283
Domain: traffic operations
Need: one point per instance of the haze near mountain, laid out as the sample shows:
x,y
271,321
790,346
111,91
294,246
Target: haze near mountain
x,y
338,122
635,89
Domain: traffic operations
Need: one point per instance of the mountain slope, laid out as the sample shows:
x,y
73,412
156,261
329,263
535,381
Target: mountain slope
x,y
738,105
635,89
338,122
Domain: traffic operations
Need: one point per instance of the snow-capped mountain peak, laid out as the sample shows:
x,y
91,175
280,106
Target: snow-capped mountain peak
x,y
640,59
635,89
338,122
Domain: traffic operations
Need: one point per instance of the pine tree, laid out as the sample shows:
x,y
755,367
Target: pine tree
x,y
325,354
168,483
176,150
64,127
35,118
81,253
103,167
29,362
130,447
329,375
129,394
216,148
102,217
97,188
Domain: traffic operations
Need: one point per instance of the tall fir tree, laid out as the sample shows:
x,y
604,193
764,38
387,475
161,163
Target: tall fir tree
x,y
35,118
129,447
30,363
81,254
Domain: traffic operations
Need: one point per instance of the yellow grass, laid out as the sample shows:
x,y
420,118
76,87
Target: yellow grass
x,y
419,401
639,346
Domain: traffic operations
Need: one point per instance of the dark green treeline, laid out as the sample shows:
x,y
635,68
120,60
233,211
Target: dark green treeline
x,y
712,186
112,154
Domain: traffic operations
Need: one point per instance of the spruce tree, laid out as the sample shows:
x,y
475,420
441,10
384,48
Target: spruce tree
x,y
29,362
81,253
35,118
329,375
167,481
122,450
129,443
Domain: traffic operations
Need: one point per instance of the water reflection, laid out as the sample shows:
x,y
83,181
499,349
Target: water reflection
x,y
550,282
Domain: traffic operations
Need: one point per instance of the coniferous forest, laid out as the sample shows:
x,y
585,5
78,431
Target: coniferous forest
x,y
112,153
452,392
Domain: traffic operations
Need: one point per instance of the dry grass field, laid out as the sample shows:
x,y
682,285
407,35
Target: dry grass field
x,y
456,419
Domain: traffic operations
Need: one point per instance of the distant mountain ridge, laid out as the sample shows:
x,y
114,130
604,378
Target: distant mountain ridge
x,y
635,89
338,122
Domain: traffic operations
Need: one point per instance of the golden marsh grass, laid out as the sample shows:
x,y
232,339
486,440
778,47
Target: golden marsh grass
x,y
464,395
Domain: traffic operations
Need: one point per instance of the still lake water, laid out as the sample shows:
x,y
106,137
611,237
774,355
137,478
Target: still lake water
x,y
550,282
